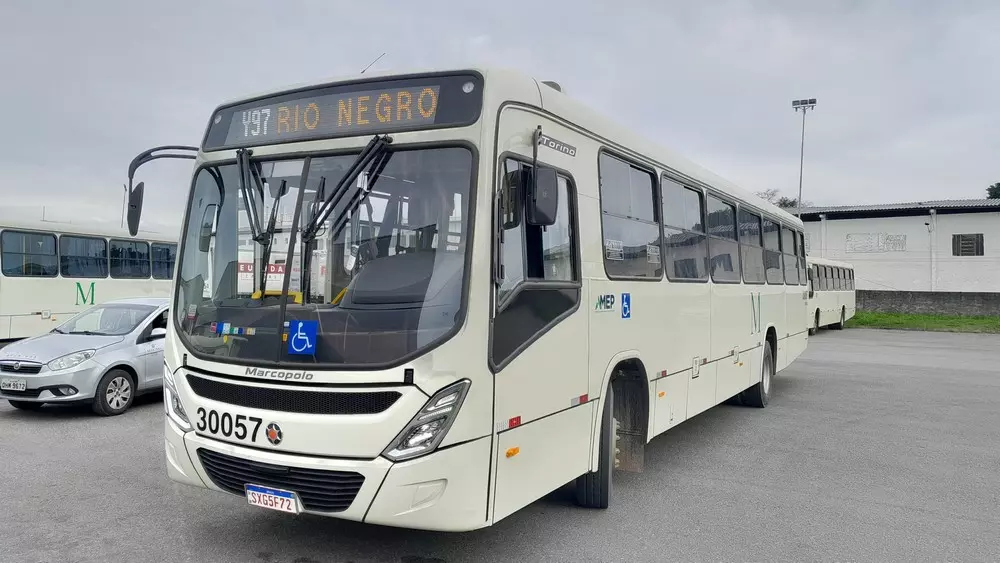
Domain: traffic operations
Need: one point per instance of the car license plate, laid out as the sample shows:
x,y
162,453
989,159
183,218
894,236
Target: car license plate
x,y
13,384
275,499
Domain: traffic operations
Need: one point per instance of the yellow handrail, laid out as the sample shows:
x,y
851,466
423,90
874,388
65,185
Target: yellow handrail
x,y
274,292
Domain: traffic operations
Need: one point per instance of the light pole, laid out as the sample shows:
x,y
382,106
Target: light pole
x,y
804,105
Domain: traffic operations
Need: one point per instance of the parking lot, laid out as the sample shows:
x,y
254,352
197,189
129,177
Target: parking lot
x,y
877,446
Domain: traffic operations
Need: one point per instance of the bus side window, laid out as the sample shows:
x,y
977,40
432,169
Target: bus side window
x,y
545,256
630,220
531,252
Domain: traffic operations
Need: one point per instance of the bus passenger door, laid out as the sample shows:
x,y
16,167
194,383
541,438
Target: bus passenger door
x,y
538,341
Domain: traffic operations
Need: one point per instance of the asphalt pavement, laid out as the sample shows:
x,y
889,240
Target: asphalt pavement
x,y
877,446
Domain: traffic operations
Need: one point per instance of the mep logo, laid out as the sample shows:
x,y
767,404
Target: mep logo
x,y
605,303
84,297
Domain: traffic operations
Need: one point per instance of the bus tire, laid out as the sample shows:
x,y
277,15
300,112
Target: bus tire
x,y
839,325
593,489
760,394
815,327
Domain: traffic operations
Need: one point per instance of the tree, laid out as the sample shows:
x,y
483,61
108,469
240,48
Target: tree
x,y
774,197
769,196
993,192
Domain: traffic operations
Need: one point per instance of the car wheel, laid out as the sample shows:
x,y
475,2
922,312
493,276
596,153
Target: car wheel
x,y
114,393
26,405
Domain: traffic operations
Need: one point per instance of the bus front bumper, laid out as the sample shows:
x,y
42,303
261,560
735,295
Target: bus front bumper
x,y
445,490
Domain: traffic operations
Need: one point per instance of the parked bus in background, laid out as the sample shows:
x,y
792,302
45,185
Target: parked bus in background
x,y
831,293
51,271
518,293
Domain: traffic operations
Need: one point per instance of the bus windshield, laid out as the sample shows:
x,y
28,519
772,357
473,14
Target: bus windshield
x,y
385,285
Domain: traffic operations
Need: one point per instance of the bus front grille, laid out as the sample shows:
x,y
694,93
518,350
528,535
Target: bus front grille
x,y
293,400
319,490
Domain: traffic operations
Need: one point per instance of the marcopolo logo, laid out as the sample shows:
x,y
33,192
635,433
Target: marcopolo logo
x,y
279,374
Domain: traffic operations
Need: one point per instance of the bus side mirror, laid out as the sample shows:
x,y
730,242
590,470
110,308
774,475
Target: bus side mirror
x,y
208,226
134,208
542,202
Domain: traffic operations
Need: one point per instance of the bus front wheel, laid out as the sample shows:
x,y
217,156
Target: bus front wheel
x,y
593,490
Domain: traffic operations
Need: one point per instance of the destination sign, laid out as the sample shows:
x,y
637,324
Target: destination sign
x,y
350,109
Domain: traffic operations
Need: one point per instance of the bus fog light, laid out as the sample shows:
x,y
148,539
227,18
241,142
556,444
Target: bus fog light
x,y
428,428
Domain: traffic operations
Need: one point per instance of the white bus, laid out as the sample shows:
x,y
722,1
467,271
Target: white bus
x,y
528,294
52,270
831,293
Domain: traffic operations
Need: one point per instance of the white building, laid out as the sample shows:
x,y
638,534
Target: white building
x,y
951,245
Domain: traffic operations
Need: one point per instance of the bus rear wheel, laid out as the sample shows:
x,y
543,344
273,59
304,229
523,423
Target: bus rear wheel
x,y
593,490
840,324
760,394
815,327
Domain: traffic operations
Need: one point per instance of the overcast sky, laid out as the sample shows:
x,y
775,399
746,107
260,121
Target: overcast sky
x,y
907,89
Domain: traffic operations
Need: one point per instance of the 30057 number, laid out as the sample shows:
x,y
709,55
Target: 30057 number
x,y
227,425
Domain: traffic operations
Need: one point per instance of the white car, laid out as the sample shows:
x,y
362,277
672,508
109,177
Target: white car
x,y
104,356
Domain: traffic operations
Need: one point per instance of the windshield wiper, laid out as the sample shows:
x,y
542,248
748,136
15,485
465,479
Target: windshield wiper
x,y
268,236
262,235
88,333
371,160
244,168
375,151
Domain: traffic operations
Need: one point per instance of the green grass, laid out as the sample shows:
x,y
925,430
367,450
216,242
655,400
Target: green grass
x,y
939,323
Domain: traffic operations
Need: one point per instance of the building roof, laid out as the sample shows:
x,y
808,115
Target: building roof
x,y
902,209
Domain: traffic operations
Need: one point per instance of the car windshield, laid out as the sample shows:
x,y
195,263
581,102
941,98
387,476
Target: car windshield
x,y
113,319
386,284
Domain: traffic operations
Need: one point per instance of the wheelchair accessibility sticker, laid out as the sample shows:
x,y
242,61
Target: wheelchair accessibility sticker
x,y
626,305
302,337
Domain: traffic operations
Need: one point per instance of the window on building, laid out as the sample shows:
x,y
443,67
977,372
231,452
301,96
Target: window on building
x,y
164,256
967,245
629,220
83,257
751,247
129,259
686,255
28,254
772,252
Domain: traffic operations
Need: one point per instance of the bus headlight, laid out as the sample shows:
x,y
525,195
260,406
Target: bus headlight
x,y
423,434
172,403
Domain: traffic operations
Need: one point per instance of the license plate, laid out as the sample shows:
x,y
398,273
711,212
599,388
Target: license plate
x,y
13,384
275,499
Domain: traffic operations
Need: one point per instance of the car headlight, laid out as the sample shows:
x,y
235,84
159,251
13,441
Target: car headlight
x,y
172,403
424,433
71,360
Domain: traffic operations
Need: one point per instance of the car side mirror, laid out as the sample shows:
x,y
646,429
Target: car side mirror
x,y
157,333
542,202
